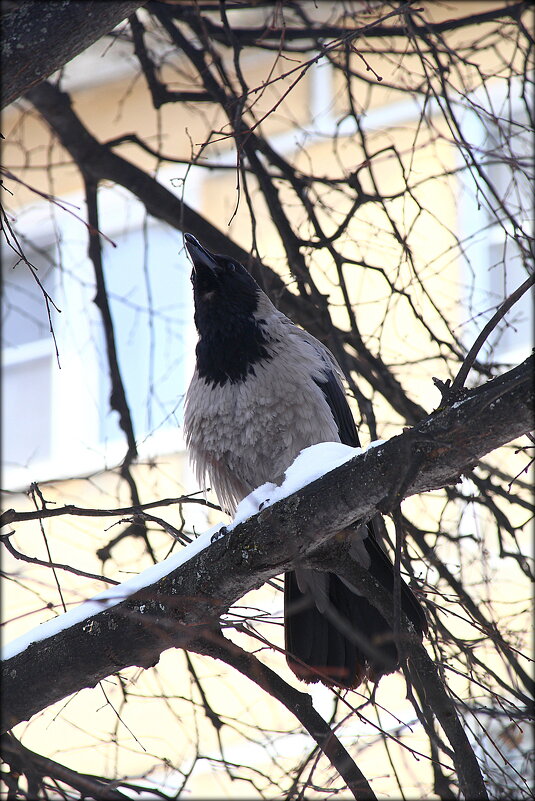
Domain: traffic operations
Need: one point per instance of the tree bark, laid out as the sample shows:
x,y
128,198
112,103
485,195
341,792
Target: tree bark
x,y
182,607
38,38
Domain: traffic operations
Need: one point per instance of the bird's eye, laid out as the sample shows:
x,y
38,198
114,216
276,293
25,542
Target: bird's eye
x,y
231,266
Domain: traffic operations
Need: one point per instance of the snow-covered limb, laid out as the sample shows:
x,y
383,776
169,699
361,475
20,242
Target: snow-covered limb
x,y
310,464
183,605
107,598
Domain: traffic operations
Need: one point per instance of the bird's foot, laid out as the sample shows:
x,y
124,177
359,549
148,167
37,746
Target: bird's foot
x,y
222,532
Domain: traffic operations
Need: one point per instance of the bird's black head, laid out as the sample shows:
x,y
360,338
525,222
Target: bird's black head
x,y
222,287
226,297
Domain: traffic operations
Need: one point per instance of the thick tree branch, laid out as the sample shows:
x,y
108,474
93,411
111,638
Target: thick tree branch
x,y
39,38
100,163
175,611
117,399
300,704
36,767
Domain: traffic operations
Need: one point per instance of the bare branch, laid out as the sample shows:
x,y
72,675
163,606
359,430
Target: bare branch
x,y
12,516
484,334
299,704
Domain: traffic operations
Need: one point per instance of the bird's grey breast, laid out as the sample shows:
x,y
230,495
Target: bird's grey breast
x,y
244,433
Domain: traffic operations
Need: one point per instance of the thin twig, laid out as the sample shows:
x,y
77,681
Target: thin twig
x,y
470,358
4,538
12,516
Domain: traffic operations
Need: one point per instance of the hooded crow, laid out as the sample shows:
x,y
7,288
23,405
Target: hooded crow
x,y
264,389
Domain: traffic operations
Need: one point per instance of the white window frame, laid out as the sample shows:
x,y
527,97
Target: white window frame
x,y
471,223
71,405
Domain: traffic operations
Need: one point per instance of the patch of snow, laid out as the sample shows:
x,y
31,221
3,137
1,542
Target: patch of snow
x,y
459,403
375,444
252,503
312,463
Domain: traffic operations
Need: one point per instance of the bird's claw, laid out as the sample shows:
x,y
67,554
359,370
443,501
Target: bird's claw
x,y
218,534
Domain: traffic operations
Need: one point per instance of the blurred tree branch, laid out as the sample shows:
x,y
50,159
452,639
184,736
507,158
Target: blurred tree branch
x,y
54,33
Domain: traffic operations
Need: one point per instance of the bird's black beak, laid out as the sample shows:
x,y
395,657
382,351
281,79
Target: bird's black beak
x,y
201,258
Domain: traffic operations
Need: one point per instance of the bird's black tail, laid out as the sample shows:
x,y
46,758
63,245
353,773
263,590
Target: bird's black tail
x,y
349,639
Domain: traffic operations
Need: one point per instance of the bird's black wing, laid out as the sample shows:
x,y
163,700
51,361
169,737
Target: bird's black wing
x,y
315,643
380,565
335,397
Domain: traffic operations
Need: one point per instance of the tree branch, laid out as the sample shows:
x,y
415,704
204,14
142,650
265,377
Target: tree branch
x,y
422,671
175,611
39,38
36,767
485,332
376,30
299,703
12,516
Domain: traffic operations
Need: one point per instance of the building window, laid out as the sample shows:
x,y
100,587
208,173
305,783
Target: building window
x,y
56,419
27,357
149,294
497,259
509,149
